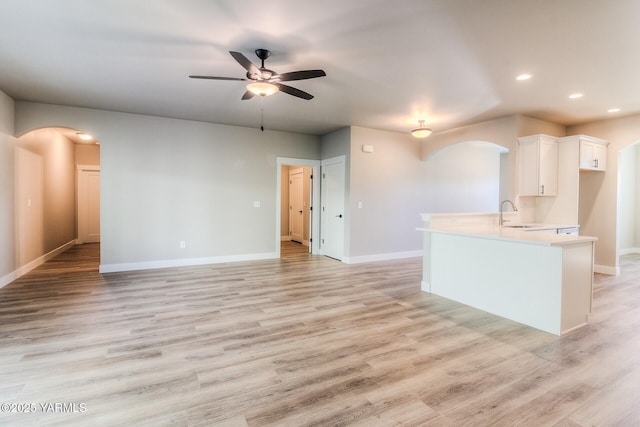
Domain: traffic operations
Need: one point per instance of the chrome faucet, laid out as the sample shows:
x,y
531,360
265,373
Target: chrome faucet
x,y
501,220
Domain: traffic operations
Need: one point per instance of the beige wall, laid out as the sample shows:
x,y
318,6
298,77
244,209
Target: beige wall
x,y
87,154
602,218
58,161
284,202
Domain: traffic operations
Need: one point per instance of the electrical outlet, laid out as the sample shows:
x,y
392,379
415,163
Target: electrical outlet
x,y
183,244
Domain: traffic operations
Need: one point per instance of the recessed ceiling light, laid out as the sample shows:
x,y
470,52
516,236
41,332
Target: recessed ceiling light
x,y
576,95
613,110
524,77
84,136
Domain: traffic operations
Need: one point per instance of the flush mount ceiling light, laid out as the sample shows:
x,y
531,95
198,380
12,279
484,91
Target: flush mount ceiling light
x,y
262,88
422,131
613,110
576,95
522,77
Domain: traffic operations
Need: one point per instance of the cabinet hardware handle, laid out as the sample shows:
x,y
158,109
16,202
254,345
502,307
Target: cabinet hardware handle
x,y
596,162
542,189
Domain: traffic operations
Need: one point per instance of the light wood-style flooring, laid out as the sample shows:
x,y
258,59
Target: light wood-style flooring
x,y
302,340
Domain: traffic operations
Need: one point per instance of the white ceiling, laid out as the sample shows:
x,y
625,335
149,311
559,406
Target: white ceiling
x,y
388,63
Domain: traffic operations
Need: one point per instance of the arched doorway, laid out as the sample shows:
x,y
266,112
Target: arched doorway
x,y
47,161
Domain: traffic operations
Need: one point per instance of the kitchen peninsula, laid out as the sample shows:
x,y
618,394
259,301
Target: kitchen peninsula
x,y
524,273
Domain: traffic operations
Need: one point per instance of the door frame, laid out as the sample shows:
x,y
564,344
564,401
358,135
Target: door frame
x,y
315,200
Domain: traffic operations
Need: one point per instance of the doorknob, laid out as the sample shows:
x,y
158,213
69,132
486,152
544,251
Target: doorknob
x,y
339,216
300,212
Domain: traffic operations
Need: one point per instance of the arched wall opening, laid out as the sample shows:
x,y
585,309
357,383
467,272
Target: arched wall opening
x,y
472,176
48,161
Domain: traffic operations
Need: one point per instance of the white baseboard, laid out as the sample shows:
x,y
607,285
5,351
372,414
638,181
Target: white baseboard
x,y
605,269
21,271
382,257
186,262
628,251
8,278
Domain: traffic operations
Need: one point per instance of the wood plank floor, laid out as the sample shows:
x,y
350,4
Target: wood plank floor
x,y
303,340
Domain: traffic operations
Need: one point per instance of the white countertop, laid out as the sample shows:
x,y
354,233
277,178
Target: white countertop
x,y
495,232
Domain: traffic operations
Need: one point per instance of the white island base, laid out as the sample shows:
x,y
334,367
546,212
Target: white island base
x,y
543,282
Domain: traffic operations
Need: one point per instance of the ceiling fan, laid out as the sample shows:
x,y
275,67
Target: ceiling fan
x,y
266,82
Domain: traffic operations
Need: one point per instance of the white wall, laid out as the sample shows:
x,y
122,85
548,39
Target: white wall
x,y
7,193
636,208
394,185
464,177
165,180
389,184
628,199
503,132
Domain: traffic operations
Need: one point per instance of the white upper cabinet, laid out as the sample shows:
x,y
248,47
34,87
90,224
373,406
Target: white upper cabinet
x,y
538,159
593,152
593,155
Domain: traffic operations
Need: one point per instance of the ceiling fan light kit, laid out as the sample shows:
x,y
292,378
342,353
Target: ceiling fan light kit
x,y
422,131
262,88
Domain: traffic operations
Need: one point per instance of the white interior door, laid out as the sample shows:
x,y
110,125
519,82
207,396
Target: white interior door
x,y
332,228
296,205
88,206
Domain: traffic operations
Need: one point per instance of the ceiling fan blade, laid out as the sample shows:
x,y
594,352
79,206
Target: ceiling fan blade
x,y
247,95
301,75
246,64
293,91
217,78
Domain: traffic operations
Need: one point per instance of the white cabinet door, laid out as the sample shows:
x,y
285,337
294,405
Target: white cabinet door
x,y
593,156
586,155
548,165
538,166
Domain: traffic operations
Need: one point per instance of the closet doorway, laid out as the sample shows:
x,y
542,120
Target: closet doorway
x,y
298,193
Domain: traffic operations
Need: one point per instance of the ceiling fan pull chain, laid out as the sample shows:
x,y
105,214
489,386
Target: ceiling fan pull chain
x,y
262,113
